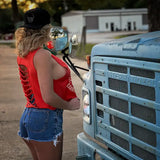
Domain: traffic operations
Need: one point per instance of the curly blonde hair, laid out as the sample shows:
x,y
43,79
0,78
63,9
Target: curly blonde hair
x,y
28,39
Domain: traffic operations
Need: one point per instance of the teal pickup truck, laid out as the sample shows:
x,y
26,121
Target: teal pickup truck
x,y
121,101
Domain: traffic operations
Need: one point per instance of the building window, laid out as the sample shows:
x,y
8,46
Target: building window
x,y
145,19
106,25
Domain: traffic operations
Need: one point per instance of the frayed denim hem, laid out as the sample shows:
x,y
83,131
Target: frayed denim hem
x,y
55,139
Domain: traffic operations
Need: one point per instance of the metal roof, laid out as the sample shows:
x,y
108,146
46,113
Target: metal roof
x,y
72,13
107,12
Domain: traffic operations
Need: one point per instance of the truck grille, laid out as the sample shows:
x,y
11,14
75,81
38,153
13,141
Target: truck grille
x,y
128,106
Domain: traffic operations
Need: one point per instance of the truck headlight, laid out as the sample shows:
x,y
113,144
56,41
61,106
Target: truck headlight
x,y
86,105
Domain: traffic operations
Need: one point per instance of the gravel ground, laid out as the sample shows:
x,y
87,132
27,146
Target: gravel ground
x,y
12,103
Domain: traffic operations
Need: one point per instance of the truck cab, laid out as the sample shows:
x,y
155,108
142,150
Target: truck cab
x,y
121,100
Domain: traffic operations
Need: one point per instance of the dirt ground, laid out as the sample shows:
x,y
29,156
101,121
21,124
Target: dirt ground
x,y
12,102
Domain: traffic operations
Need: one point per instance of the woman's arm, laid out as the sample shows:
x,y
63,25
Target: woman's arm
x,y
44,65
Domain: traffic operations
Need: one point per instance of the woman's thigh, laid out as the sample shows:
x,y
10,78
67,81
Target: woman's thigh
x,y
48,150
32,149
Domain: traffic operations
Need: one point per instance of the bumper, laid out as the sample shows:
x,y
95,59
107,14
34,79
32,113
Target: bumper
x,y
88,149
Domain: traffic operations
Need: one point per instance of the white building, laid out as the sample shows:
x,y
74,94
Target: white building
x,y
106,20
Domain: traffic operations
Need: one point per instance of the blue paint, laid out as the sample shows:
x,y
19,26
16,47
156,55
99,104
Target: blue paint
x,y
127,119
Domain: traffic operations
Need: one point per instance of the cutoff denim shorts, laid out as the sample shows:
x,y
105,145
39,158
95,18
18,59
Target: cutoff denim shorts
x,y
41,125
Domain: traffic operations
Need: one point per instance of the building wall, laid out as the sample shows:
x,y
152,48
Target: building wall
x,y
74,23
106,21
137,19
113,23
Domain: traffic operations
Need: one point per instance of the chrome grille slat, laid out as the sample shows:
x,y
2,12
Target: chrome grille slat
x,y
134,84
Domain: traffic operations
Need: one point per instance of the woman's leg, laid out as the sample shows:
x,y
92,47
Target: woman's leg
x,y
47,150
32,149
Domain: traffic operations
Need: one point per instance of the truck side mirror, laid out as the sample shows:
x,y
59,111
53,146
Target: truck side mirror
x,y
73,42
59,38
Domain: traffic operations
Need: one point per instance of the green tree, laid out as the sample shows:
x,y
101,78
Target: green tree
x,y
55,8
58,7
6,23
100,4
135,4
154,15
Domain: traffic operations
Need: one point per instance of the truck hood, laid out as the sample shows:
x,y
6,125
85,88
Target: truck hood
x,y
143,46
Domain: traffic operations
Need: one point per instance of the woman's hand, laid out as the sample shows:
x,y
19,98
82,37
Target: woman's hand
x,y
74,104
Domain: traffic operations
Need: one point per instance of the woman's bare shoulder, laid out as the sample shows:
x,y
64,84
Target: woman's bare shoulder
x,y
42,53
43,58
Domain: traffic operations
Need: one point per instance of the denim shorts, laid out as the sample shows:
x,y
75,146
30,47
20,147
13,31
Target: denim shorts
x,y
41,125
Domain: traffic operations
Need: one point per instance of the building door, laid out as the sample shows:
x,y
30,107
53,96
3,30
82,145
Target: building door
x,y
112,26
134,26
92,22
129,26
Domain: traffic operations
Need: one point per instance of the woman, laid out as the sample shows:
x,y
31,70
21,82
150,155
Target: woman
x,y
47,87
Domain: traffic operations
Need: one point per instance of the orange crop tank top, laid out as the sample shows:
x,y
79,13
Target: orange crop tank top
x,y
63,87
